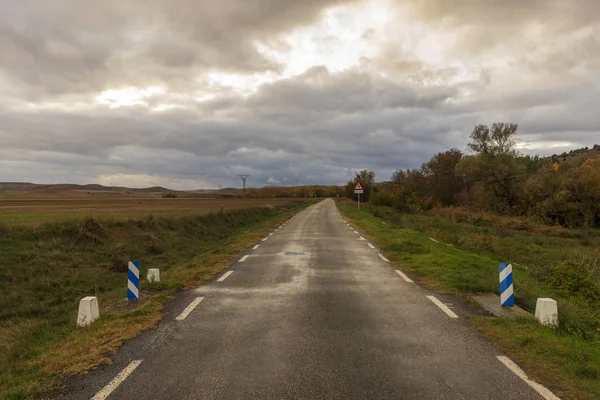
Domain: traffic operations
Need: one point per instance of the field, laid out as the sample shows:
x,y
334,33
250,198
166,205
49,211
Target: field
x,y
549,261
54,251
32,210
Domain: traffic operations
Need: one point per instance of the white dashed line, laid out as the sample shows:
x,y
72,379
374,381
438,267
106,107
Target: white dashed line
x,y
264,240
117,380
255,247
383,258
361,238
356,232
545,393
406,278
242,259
270,234
189,309
370,245
225,276
443,307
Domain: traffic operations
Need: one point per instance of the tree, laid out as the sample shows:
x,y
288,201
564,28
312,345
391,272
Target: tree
x,y
495,164
443,184
497,142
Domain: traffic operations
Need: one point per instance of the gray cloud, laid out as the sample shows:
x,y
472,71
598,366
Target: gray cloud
x,y
390,110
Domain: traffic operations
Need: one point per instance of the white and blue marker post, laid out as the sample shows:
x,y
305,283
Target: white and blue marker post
x,y
507,295
133,281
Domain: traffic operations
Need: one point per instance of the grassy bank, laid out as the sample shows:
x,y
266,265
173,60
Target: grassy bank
x,y
45,270
464,258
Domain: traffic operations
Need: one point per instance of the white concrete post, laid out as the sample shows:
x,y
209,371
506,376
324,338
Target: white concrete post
x,y
153,275
546,311
88,311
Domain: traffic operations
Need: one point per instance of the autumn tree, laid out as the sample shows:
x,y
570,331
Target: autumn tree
x,y
495,164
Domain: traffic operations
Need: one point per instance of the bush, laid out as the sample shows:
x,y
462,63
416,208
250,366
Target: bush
x,y
574,279
169,196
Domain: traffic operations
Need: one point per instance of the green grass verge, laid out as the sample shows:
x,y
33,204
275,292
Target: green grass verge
x,y
45,270
464,267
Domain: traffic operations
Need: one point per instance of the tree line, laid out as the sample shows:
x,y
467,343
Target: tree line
x,y
495,177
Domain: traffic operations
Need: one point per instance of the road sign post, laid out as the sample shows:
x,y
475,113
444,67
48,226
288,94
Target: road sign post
x,y
358,189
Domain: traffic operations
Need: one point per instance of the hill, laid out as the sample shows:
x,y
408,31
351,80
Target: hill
x,y
26,189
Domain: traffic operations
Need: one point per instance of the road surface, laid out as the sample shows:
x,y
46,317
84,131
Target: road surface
x,y
312,312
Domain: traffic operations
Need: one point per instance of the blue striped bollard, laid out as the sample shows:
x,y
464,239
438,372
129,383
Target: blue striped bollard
x,y
133,281
507,296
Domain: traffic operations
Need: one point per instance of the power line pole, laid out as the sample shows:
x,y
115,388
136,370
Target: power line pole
x,y
244,177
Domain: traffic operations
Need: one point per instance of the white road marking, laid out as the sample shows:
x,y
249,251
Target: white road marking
x,y
189,309
362,238
241,260
255,247
264,240
406,278
370,245
356,232
433,239
117,380
545,393
270,234
443,307
225,276
383,258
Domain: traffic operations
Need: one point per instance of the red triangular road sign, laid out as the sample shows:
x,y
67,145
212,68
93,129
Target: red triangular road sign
x,y
358,186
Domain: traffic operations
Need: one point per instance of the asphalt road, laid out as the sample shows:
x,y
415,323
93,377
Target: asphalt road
x,y
313,312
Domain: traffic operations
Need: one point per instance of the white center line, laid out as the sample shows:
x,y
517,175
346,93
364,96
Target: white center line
x,y
117,380
225,276
545,393
243,259
406,278
370,245
189,309
362,238
443,307
255,247
383,258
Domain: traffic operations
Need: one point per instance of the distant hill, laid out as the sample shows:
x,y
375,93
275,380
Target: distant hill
x,y
64,188
576,156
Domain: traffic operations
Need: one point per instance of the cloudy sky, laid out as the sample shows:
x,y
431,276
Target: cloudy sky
x,y
190,94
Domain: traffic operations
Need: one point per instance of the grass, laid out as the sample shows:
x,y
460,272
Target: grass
x,y
465,260
45,269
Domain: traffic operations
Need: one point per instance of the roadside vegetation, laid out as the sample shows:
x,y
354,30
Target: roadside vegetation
x,y
45,269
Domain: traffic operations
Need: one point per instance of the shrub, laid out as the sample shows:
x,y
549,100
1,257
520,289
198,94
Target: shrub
x,y
574,279
169,196
89,230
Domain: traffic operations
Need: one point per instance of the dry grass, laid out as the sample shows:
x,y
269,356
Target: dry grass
x,y
35,211
484,218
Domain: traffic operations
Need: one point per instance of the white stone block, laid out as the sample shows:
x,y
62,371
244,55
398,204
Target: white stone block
x,y
153,275
88,311
546,311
